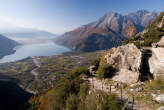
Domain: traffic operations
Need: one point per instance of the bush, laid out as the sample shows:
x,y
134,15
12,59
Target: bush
x,y
113,102
157,84
105,71
72,102
96,62
101,101
79,71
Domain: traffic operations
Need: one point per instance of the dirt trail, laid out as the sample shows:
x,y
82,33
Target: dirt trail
x,y
34,73
104,86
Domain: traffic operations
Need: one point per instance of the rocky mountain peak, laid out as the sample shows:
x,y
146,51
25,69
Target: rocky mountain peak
x,y
111,28
142,12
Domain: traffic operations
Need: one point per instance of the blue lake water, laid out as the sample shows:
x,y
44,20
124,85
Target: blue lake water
x,y
48,48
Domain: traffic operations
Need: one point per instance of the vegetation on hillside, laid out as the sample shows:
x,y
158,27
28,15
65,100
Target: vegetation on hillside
x,y
72,93
153,35
19,72
53,68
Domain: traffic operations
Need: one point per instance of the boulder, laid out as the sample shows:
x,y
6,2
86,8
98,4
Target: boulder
x,y
155,45
126,76
93,69
156,62
161,108
127,59
160,98
161,42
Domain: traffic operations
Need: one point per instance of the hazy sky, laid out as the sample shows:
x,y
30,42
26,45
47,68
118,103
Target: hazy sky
x,y
59,16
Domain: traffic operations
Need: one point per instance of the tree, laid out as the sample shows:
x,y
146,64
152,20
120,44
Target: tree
x,y
96,62
72,102
105,71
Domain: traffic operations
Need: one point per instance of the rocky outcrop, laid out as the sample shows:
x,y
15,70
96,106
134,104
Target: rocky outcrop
x,y
126,76
161,108
93,69
160,24
161,42
160,98
156,62
125,57
127,60
135,64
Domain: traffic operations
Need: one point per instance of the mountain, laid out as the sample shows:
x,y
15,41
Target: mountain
x,y
6,46
106,32
27,35
151,34
23,34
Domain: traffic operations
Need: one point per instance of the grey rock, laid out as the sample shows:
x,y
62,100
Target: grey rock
x,y
139,89
160,24
154,45
161,42
160,98
156,62
127,59
92,69
161,108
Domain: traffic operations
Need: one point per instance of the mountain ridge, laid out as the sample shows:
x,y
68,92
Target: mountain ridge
x,y
6,46
113,26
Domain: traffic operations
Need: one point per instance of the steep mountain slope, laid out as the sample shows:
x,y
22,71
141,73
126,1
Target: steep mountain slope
x,y
6,46
108,31
152,34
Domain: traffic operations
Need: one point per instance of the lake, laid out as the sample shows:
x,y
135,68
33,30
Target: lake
x,y
46,48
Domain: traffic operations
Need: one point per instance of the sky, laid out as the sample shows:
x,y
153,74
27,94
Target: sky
x,y
59,16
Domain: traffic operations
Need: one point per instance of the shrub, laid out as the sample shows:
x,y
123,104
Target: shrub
x,y
157,84
105,71
79,71
114,102
72,102
96,62
101,101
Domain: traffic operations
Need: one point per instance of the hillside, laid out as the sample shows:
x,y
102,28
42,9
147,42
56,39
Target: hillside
x,y
152,34
6,46
51,69
120,80
126,77
12,96
106,32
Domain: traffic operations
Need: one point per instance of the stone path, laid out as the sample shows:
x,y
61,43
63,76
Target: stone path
x,y
104,86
